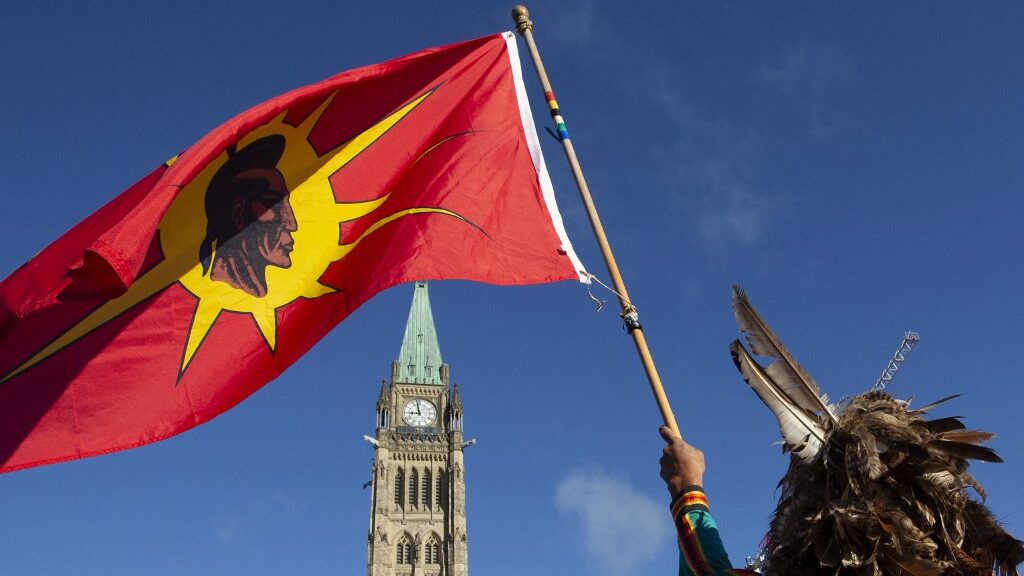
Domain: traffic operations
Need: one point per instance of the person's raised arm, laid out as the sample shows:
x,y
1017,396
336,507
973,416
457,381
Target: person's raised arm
x,y
700,546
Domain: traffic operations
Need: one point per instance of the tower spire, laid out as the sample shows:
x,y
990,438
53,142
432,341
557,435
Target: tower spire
x,y
419,361
418,490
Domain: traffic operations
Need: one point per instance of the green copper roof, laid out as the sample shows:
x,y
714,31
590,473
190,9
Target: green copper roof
x,y
419,361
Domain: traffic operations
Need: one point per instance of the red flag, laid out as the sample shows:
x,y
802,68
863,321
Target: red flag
x,y
217,271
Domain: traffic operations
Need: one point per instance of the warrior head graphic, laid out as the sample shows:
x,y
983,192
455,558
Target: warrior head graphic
x,y
249,218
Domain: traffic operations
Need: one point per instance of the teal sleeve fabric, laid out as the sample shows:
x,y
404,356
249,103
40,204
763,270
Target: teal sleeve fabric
x,y
701,552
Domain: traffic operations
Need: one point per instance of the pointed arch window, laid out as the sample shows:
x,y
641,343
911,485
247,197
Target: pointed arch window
x,y
413,485
439,489
432,551
403,550
426,488
399,486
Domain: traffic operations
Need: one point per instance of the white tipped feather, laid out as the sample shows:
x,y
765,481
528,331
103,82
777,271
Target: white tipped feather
x,y
800,428
786,372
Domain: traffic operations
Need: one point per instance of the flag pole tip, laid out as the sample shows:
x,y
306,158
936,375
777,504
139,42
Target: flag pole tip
x,y
521,16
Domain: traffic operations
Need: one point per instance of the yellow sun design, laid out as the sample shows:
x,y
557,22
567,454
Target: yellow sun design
x,y
316,239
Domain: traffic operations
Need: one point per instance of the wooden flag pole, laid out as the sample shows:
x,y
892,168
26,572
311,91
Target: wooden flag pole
x,y
524,26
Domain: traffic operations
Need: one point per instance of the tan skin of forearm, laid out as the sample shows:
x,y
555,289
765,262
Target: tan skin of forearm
x,y
682,465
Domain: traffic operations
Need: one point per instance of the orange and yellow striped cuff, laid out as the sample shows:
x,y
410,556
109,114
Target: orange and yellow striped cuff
x,y
690,498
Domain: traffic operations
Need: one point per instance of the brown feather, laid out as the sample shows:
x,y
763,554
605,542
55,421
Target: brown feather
x,y
924,409
802,431
944,424
966,436
973,483
786,371
965,451
911,566
969,566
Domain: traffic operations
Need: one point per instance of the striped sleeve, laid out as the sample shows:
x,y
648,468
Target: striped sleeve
x,y
700,547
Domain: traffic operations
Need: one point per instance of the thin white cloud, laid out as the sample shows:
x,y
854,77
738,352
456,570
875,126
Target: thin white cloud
x,y
228,530
735,216
712,170
622,529
811,68
236,530
718,189
586,22
813,76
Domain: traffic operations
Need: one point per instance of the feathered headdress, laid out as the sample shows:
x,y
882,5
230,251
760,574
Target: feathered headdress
x,y
873,487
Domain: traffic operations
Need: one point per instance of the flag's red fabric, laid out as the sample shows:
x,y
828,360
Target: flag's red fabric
x,y
217,271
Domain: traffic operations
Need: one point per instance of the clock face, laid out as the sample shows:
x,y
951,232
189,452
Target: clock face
x,y
419,412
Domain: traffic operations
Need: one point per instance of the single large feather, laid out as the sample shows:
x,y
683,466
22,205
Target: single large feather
x,y
946,424
924,409
787,373
800,428
968,436
965,450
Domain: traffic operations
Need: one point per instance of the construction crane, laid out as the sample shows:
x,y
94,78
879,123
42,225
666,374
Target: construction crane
x,y
910,339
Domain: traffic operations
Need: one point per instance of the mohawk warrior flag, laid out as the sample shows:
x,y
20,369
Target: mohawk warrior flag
x,y
218,270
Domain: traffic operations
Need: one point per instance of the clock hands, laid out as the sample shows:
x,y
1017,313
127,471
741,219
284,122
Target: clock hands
x,y
419,412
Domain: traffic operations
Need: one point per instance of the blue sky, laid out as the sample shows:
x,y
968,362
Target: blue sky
x,y
857,168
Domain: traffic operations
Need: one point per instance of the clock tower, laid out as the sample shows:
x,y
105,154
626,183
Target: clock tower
x,y
418,497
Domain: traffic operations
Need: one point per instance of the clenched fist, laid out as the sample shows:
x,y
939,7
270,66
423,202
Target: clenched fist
x,y
682,465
